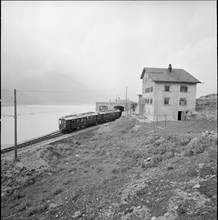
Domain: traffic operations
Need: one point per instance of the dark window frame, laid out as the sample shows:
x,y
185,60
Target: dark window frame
x,y
183,88
168,101
166,86
183,100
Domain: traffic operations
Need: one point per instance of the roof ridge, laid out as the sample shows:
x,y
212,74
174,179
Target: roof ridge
x,y
162,68
163,74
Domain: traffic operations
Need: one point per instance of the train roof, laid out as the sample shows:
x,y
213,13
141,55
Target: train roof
x,y
81,115
87,114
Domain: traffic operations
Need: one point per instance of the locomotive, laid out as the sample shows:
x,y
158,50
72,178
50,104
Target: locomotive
x,y
71,123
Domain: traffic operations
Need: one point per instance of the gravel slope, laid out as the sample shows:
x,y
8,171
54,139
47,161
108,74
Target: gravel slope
x,y
122,170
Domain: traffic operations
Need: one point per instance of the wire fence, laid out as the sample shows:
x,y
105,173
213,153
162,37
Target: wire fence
x,y
159,118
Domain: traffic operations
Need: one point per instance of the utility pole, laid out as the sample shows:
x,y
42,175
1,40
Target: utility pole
x,y
126,103
15,127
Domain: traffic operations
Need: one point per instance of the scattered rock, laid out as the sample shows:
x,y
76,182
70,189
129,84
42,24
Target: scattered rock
x,y
129,210
148,159
170,168
200,165
196,186
77,214
136,127
189,194
166,214
52,206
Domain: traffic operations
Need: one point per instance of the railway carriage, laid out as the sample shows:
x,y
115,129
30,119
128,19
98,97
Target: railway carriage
x,y
73,122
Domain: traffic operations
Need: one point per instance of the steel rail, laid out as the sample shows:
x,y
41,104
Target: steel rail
x,y
43,138
33,141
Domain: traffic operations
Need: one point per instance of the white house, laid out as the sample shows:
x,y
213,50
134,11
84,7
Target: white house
x,y
167,93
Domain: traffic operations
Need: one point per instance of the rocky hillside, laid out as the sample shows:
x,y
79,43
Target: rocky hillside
x,y
120,171
211,96
206,107
208,102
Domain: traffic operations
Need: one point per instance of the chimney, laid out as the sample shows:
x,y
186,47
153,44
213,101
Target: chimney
x,y
170,68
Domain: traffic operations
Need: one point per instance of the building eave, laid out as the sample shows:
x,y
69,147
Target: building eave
x,y
187,82
143,73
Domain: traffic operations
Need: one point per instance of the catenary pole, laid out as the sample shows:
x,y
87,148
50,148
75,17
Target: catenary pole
x,y
15,126
126,102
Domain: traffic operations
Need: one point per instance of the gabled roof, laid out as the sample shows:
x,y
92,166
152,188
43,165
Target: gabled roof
x,y
164,75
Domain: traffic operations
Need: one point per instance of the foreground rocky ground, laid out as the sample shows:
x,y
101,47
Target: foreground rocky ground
x,y
122,170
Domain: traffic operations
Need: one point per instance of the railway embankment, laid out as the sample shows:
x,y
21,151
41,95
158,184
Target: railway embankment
x,y
122,170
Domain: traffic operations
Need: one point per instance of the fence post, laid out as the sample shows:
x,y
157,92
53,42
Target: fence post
x,y
153,124
15,126
165,120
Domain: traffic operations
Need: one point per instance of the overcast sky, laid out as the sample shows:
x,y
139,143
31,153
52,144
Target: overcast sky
x,y
102,47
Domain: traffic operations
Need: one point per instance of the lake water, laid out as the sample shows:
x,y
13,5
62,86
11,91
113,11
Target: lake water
x,y
34,120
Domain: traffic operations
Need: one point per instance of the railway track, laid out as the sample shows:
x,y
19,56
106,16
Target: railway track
x,y
46,137
33,141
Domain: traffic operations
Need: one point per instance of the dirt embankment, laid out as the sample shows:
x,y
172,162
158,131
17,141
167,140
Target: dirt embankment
x,y
123,170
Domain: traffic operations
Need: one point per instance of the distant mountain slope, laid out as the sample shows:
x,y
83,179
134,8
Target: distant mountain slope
x,y
7,98
50,98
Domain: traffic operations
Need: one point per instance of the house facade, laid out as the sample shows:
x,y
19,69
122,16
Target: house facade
x,y
167,93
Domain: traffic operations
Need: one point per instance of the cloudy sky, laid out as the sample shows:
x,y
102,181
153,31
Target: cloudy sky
x,y
101,47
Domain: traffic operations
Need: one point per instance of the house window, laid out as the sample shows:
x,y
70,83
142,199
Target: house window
x,y
183,88
151,89
166,88
183,102
146,101
147,90
143,100
151,100
166,101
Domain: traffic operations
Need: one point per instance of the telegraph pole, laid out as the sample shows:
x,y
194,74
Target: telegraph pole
x,y
15,127
126,103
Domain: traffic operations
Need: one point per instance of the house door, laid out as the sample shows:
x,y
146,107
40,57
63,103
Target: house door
x,y
179,115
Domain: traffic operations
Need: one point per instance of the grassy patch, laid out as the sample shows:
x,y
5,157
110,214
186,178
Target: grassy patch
x,y
99,169
57,191
68,181
17,194
38,209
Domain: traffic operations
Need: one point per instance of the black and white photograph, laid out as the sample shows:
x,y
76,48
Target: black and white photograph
x,y
109,110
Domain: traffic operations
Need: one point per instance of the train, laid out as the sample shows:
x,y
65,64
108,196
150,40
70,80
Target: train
x,y
71,123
